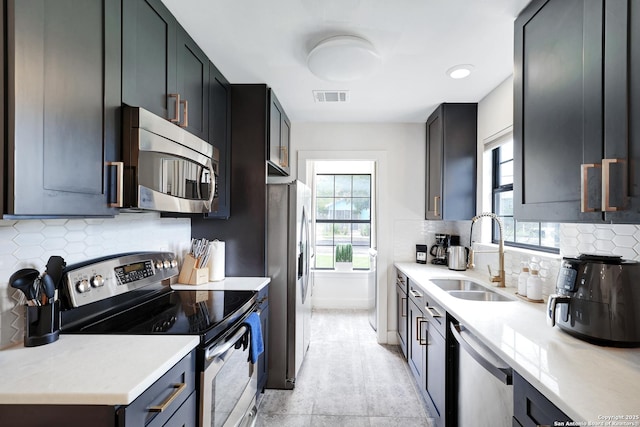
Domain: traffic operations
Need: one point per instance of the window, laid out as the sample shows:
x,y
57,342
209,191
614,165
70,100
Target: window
x,y
543,236
343,215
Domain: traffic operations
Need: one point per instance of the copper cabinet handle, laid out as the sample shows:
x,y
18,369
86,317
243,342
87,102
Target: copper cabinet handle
x,y
436,203
119,184
584,190
606,175
164,405
185,122
284,157
415,293
176,118
403,313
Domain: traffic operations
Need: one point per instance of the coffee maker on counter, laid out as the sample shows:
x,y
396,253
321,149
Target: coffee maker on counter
x,y
439,250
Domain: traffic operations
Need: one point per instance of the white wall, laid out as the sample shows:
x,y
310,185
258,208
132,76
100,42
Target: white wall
x,y
399,151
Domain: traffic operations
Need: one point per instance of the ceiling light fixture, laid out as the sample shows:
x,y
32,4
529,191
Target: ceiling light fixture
x,y
460,71
343,59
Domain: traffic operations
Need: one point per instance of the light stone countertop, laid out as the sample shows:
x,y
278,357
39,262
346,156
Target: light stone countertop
x,y
584,380
89,369
228,284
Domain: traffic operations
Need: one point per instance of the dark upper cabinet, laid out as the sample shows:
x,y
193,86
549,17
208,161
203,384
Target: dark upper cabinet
x,y
62,100
451,162
574,83
163,70
279,137
220,136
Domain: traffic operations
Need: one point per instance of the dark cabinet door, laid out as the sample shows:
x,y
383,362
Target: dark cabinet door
x,y
220,137
193,85
401,316
558,110
279,137
417,340
149,33
436,369
531,408
451,162
621,179
435,145
63,98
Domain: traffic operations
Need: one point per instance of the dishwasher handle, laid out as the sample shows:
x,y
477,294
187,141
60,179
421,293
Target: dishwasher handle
x,y
503,374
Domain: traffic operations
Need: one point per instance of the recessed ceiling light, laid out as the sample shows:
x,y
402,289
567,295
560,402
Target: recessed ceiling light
x,y
343,58
460,71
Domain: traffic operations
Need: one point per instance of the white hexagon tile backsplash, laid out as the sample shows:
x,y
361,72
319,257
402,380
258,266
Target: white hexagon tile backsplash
x,y
30,243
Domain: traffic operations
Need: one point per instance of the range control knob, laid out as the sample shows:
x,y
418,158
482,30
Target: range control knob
x,y
83,286
97,281
174,263
166,264
159,264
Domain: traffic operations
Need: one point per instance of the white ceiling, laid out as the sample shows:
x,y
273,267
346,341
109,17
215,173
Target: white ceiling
x,y
267,41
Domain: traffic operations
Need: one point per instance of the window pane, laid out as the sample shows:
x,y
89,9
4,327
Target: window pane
x,y
361,208
342,233
528,232
343,185
361,235
342,209
324,257
324,208
362,186
324,234
550,234
324,185
503,203
361,257
506,173
506,151
507,229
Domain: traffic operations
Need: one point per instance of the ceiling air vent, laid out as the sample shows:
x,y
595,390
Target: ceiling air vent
x,y
331,96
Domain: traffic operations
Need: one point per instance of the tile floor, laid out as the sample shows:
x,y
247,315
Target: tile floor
x,y
347,379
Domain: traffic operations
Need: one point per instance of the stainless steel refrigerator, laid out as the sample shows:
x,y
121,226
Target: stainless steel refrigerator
x,y
288,265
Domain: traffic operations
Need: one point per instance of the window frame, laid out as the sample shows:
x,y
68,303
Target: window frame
x,y
496,189
349,222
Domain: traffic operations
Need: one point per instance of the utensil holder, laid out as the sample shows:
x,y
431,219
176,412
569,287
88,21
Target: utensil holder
x,y
191,275
42,324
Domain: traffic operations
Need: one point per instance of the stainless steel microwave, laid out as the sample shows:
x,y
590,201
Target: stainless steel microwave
x,y
165,168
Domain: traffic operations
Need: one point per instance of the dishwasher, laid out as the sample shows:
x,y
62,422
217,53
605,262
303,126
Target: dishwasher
x,y
484,383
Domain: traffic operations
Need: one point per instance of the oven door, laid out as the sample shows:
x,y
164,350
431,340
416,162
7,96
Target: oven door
x,y
229,382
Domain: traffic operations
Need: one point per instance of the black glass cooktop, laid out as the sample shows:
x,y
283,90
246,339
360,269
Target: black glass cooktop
x,y
204,313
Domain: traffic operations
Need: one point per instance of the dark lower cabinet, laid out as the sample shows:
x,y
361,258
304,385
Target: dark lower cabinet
x,y
417,338
575,92
451,162
402,310
263,362
169,402
531,408
62,106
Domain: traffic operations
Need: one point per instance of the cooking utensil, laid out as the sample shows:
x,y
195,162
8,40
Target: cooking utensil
x,y
51,277
24,279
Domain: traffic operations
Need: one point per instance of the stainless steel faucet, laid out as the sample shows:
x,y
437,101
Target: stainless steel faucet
x,y
500,277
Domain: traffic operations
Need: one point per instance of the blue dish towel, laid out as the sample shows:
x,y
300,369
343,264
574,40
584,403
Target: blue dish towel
x,y
255,328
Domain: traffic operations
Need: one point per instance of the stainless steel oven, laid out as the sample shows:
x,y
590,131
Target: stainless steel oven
x,y
128,294
229,382
165,168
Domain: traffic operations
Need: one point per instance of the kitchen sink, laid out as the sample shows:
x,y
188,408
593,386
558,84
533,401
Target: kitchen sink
x,y
485,295
458,285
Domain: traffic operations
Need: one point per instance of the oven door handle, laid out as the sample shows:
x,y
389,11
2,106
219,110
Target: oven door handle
x,y
218,350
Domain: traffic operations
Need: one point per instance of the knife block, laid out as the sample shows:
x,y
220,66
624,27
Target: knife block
x,y
191,275
42,324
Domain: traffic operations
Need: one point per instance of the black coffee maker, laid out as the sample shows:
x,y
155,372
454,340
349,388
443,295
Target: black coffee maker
x,y
439,250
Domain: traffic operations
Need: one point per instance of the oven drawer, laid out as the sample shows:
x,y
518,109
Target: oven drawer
x,y
156,405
